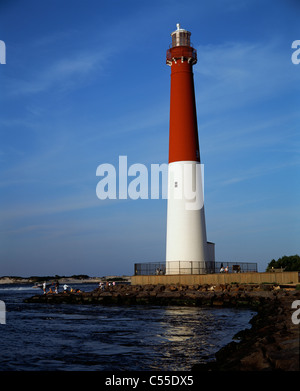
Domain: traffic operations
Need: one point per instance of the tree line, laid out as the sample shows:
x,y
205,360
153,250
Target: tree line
x,y
289,263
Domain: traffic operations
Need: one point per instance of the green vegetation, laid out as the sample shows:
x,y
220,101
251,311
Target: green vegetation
x,y
288,263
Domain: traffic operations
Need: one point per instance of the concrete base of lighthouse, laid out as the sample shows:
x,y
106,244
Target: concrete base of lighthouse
x,y
188,251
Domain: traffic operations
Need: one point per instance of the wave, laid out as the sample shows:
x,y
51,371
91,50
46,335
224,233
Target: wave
x,y
22,288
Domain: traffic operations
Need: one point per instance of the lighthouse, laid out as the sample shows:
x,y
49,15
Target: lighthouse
x,y
187,249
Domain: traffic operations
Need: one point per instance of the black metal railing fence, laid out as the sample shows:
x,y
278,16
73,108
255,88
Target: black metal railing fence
x,y
159,268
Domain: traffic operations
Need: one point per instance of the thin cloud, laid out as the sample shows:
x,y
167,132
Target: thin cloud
x,y
236,134
57,206
259,171
235,74
62,73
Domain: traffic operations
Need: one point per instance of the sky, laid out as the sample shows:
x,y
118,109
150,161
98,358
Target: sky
x,y
85,81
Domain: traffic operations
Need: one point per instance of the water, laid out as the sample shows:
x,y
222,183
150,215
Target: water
x,y
90,337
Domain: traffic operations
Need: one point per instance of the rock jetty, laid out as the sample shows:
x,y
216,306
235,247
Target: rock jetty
x,y
272,342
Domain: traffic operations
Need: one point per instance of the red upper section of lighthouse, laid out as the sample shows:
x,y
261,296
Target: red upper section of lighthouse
x,y
183,141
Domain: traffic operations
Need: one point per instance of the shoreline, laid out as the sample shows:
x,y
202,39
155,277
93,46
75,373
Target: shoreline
x,y
62,280
271,344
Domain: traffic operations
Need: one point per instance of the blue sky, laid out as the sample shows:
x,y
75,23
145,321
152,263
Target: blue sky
x,y
86,82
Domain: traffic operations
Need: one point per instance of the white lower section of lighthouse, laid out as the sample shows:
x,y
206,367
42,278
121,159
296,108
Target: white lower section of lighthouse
x,y
187,250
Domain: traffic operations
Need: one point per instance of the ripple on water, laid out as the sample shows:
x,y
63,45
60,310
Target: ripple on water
x,y
82,337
